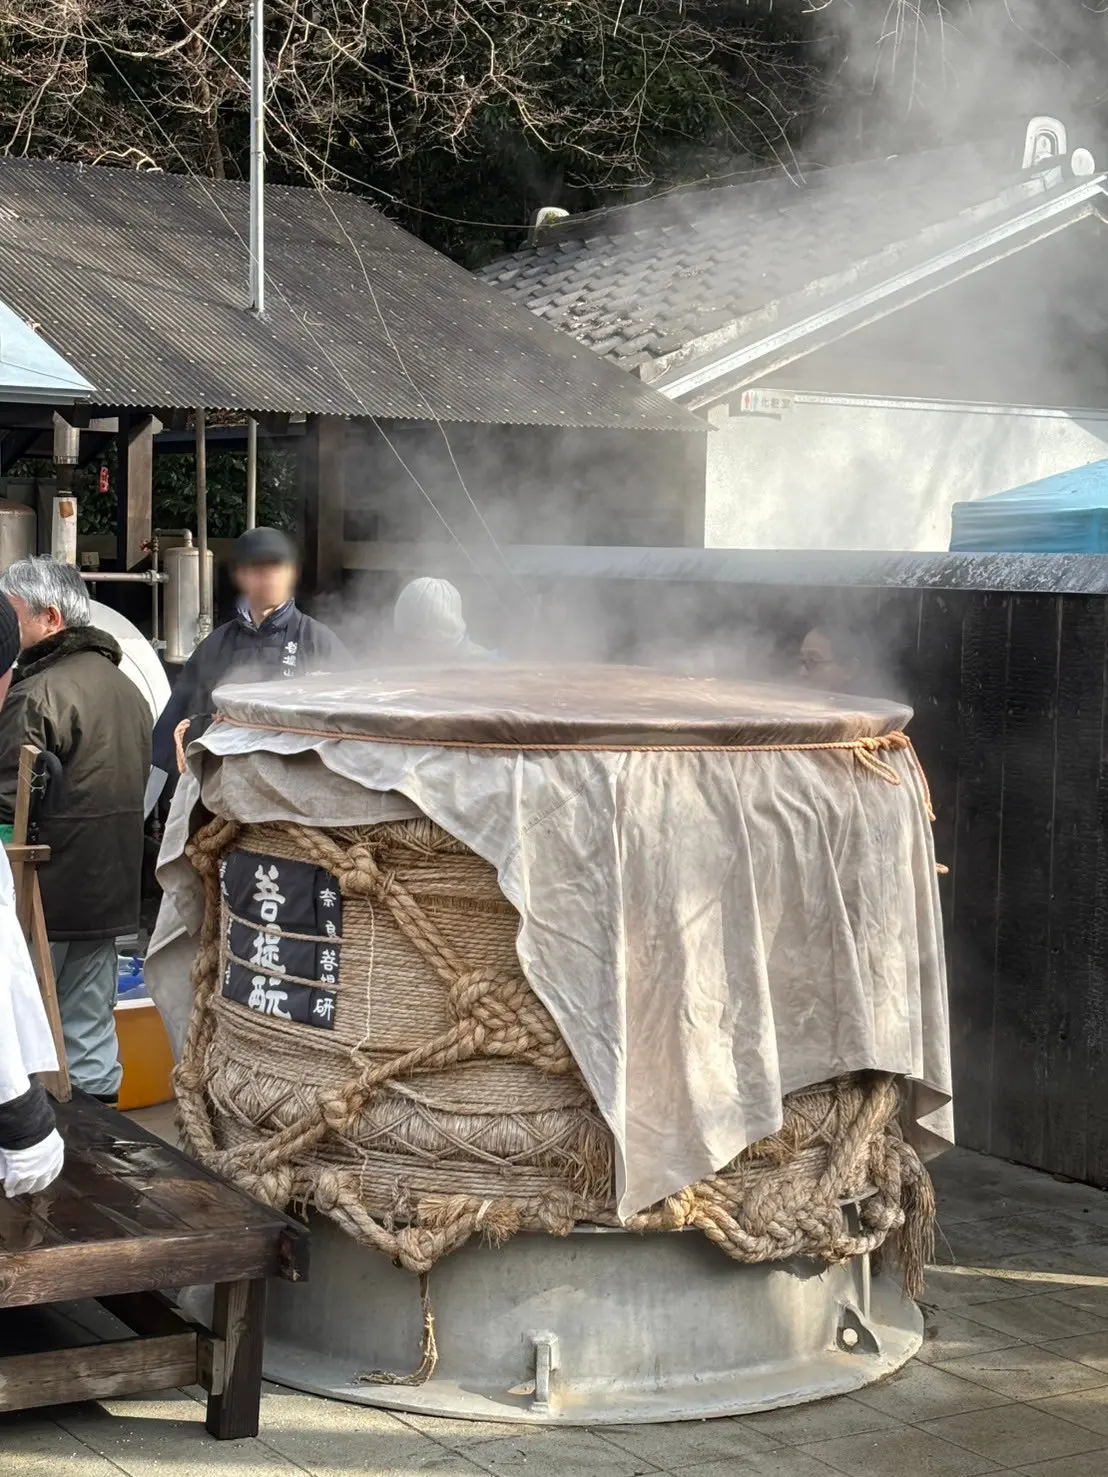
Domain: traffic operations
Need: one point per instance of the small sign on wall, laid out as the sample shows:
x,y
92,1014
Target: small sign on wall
x,y
765,402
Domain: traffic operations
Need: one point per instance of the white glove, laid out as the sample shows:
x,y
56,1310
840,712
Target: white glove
x,y
27,1171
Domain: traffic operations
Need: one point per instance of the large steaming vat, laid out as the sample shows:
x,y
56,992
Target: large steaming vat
x,y
585,1007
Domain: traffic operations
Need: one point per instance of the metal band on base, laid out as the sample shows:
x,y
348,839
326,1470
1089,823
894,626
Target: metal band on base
x,y
599,1327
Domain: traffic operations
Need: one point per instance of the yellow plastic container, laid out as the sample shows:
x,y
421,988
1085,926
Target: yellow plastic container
x,y
145,1053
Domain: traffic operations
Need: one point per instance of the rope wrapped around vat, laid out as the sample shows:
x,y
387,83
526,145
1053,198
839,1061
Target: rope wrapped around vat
x,y
445,1104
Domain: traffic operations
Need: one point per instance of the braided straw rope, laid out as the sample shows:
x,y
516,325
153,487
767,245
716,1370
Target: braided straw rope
x,y
445,1103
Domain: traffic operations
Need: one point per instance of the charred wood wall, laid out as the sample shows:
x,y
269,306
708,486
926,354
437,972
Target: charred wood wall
x,y
1009,692
1010,695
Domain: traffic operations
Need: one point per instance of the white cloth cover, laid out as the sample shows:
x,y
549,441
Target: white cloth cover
x,y
709,930
26,1044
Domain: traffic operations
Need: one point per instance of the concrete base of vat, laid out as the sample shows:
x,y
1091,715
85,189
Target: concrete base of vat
x,y
598,1328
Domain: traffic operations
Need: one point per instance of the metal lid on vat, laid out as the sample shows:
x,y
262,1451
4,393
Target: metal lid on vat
x,y
505,705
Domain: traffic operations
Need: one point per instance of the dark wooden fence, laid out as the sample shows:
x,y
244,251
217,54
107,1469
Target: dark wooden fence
x,y
1010,697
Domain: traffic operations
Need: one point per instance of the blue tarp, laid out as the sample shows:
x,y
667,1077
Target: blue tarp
x,y
1065,514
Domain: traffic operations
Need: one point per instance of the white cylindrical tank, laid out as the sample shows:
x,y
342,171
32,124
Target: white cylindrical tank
x,y
140,660
17,532
63,533
182,599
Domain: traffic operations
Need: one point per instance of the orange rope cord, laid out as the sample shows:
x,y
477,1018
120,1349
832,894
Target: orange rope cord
x,y
865,749
179,743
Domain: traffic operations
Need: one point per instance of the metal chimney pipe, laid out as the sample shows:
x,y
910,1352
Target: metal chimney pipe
x,y
205,620
251,472
257,156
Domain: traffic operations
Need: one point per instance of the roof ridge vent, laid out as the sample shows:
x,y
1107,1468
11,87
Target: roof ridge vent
x,y
1046,139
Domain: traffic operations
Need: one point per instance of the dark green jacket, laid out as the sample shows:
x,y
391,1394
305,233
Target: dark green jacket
x,y
68,696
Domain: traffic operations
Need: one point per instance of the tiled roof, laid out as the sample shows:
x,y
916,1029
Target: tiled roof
x,y
140,282
643,281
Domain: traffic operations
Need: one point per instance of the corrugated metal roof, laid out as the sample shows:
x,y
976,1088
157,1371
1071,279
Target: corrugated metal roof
x,y
645,280
140,282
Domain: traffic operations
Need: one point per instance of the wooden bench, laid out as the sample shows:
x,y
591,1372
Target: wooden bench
x,y
129,1218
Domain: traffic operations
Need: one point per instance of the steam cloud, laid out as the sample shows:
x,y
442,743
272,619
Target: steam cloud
x,y
908,76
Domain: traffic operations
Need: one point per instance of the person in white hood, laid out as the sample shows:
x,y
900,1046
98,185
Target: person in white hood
x,y
31,1149
428,619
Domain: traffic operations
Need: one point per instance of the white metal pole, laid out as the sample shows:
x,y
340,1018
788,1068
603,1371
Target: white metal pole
x,y
257,223
257,156
205,621
251,472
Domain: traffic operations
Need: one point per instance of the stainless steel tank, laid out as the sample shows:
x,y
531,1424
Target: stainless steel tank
x,y
595,1328
18,531
182,599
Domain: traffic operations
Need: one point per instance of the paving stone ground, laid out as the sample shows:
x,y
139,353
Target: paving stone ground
x,y
1012,1377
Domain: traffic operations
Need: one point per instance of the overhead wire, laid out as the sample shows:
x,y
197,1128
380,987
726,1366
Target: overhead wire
x,y
794,172
324,195
304,320
302,150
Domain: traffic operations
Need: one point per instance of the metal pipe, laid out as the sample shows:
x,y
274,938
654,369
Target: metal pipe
x,y
104,577
155,625
204,624
251,472
867,1287
257,159
63,529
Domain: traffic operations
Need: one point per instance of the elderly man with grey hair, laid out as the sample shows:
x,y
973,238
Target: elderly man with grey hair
x,y
69,697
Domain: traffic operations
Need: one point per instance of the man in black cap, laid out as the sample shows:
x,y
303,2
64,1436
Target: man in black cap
x,y
269,637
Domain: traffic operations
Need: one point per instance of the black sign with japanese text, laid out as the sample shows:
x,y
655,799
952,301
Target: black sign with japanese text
x,y
272,953
276,897
272,995
295,897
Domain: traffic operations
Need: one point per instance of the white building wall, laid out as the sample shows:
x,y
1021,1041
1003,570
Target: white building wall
x,y
807,471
